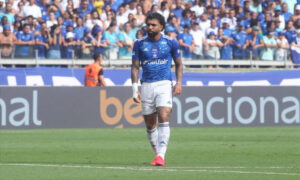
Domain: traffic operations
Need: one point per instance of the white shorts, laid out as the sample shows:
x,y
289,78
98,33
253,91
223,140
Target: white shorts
x,y
156,94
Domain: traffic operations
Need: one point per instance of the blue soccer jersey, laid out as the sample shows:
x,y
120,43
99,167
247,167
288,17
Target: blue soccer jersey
x,y
156,57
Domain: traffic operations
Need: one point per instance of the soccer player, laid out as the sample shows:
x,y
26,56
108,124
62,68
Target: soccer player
x,y
94,72
154,52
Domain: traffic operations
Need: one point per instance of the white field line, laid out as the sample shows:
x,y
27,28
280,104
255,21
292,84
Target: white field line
x,y
178,169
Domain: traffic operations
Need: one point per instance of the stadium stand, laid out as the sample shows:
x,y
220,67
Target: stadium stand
x,y
250,33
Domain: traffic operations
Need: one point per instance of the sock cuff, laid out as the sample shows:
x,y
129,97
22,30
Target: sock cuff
x,y
165,124
151,130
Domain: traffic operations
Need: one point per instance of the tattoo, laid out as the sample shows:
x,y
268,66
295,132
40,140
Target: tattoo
x,y
135,71
178,69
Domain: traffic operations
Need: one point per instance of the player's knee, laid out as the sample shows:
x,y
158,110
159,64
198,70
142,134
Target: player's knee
x,y
163,114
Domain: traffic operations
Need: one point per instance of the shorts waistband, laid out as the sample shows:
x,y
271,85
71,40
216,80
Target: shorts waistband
x,y
157,82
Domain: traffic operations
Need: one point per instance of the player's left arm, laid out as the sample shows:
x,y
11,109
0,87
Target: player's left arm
x,y
175,52
179,72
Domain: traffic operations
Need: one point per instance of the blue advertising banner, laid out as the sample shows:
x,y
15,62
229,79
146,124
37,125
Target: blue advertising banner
x,y
55,76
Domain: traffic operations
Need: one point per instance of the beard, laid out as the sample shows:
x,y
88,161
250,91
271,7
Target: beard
x,y
152,34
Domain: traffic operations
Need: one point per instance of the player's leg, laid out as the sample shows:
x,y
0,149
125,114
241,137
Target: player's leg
x,y
164,130
150,115
152,132
163,105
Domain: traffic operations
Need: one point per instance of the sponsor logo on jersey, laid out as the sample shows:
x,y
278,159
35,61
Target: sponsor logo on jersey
x,y
157,61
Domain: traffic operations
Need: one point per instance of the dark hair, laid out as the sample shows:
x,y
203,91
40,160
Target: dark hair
x,y
96,56
52,28
158,17
164,3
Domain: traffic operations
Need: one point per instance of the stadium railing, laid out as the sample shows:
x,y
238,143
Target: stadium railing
x,y
127,62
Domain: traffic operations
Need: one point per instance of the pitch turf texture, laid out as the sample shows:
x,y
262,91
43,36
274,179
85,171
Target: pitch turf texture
x,y
194,153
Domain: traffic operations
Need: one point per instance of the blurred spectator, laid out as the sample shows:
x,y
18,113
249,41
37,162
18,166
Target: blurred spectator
x,y
246,20
98,4
174,23
227,45
70,45
2,6
279,17
126,38
204,23
171,32
282,47
232,19
295,47
213,50
24,43
286,14
114,4
101,43
3,23
122,17
213,27
8,13
79,29
109,19
291,5
52,19
111,51
226,30
132,7
140,17
254,43
295,15
32,9
290,32
186,18
199,41
240,45
87,44
7,41
164,10
95,20
264,23
255,6
84,8
41,41
267,52
139,34
178,9
55,42
186,42
198,8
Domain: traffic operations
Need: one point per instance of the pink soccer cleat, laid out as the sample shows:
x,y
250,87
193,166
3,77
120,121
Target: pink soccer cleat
x,y
158,161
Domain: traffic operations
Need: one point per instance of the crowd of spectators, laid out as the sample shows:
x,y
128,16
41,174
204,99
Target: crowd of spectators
x,y
205,29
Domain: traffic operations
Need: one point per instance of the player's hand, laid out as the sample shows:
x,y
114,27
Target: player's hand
x,y
138,99
177,89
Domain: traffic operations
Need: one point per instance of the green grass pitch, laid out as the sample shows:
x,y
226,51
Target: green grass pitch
x,y
259,153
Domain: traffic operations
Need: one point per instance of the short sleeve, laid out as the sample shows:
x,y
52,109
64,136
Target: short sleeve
x,y
175,51
121,37
135,51
180,36
38,37
19,36
31,37
105,35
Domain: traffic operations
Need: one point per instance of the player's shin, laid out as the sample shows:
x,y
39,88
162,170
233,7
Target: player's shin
x,y
152,135
163,138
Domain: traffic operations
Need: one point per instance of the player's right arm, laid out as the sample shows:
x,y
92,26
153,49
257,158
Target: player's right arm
x,y
135,73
